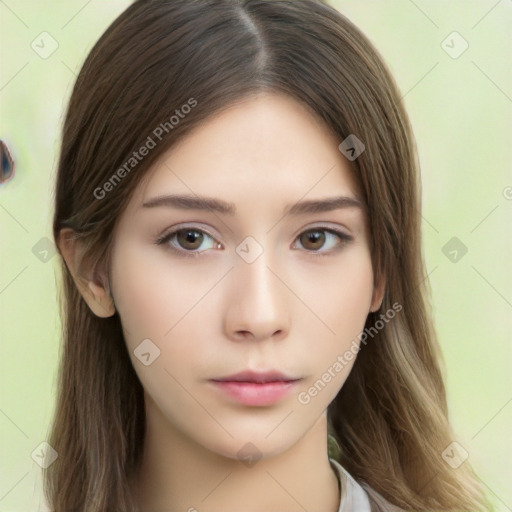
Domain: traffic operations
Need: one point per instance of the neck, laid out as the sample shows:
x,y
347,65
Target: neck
x,y
178,474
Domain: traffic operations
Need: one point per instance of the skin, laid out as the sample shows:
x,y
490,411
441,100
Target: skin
x,y
295,309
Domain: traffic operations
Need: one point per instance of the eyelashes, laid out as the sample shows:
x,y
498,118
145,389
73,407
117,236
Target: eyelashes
x,y
188,235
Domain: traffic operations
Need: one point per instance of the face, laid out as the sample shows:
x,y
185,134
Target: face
x,y
260,281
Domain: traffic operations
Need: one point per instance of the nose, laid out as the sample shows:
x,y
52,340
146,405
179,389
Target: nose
x,y
257,305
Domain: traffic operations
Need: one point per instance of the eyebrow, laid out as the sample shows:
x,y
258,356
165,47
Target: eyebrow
x,y
188,202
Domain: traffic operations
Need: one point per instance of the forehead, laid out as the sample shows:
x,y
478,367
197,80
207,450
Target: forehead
x,y
268,148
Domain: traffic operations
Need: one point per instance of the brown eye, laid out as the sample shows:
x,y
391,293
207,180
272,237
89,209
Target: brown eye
x,y
187,241
323,238
313,240
189,236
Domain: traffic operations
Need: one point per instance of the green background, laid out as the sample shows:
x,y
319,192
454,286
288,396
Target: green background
x,y
461,111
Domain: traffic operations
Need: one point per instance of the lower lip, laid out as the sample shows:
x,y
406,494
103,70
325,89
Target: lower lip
x,y
253,394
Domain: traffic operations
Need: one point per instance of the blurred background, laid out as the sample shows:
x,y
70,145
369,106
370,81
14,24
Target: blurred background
x,y
452,62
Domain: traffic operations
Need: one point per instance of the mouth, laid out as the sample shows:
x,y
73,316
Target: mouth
x,y
255,388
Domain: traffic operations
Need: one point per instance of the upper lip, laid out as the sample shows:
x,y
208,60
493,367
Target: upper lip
x,y
257,377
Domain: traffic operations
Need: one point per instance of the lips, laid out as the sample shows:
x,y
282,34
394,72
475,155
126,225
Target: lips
x,y
255,388
257,377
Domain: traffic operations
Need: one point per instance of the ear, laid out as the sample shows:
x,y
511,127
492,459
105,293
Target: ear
x,y
379,289
93,288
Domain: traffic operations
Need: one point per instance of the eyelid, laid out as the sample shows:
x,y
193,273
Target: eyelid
x,y
187,225
328,227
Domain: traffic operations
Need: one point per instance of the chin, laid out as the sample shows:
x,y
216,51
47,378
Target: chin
x,y
248,449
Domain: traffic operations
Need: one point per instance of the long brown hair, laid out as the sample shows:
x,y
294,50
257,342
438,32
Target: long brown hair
x,y
390,417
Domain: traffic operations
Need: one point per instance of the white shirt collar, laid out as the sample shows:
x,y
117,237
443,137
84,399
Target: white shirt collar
x,y
353,497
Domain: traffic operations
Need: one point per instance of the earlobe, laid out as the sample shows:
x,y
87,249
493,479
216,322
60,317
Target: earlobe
x,y
99,299
378,294
92,288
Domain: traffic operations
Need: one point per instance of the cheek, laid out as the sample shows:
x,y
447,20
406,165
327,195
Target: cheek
x,y
341,299
138,297
340,294
160,302
156,297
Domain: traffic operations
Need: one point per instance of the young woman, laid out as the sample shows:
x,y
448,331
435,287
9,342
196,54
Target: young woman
x,y
244,301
